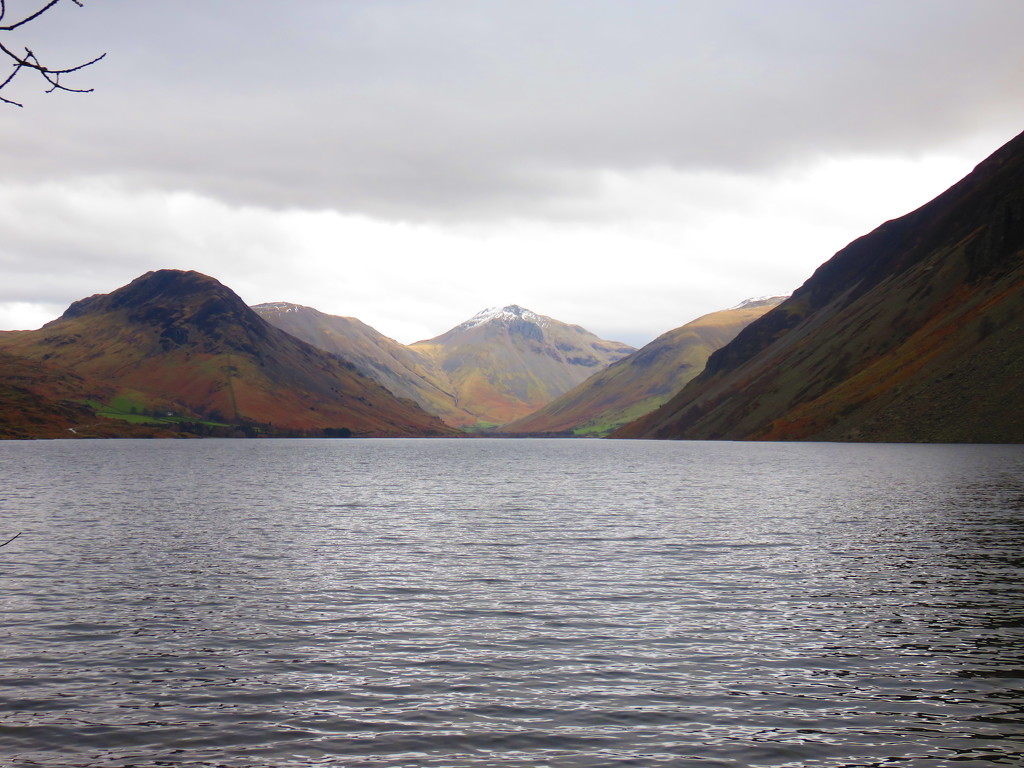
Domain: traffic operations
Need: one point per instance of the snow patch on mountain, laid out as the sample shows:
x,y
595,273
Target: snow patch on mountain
x,y
760,301
503,315
277,306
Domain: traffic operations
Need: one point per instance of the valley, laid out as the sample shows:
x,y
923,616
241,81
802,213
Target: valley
x,y
911,333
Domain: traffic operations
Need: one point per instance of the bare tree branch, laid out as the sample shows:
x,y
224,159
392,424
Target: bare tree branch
x,y
27,19
11,539
30,61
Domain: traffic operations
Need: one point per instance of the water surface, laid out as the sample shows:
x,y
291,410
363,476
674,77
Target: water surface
x,y
510,603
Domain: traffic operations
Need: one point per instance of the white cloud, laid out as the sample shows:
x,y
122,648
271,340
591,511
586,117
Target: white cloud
x,y
458,110
24,316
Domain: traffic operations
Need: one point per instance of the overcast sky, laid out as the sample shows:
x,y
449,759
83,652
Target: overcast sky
x,y
626,165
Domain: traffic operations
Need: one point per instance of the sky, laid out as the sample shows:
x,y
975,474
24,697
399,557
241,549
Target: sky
x,y
624,165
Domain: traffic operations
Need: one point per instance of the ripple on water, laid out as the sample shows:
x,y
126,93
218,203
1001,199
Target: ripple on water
x,y
522,603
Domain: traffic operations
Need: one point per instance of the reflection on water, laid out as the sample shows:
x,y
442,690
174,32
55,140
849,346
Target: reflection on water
x,y
522,603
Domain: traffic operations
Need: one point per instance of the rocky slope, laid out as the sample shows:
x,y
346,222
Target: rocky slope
x,y
914,332
644,380
181,343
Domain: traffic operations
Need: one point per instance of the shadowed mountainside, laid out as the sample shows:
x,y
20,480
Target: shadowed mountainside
x,y
914,332
642,381
184,343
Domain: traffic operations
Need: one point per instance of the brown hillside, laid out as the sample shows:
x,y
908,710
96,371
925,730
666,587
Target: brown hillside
x,y
184,339
38,401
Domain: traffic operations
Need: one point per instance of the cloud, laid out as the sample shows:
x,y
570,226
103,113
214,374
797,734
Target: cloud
x,y
624,166
460,110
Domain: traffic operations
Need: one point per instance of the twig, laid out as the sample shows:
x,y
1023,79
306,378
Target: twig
x,y
29,60
11,539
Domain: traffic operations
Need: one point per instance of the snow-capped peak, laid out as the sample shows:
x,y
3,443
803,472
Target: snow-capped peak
x,y
504,314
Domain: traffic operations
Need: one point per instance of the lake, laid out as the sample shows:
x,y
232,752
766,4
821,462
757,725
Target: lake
x,y
519,603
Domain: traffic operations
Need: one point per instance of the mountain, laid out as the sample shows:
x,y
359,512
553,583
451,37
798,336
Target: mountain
x,y
913,332
404,372
645,379
506,362
182,344
501,364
